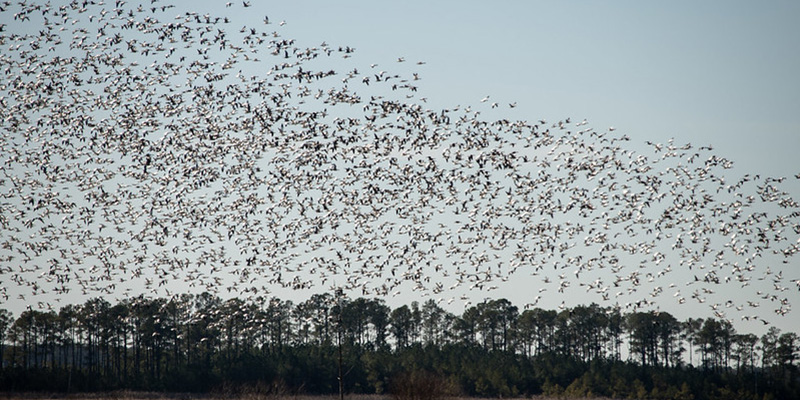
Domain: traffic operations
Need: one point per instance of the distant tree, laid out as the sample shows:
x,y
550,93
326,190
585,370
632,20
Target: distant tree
x,y
589,324
727,335
488,320
196,342
432,322
48,333
278,319
303,314
787,351
614,331
231,322
379,321
177,313
691,329
121,331
34,332
148,337
769,346
68,326
467,326
643,336
654,338
716,341
565,334
745,351
21,333
527,333
507,315
668,331
416,322
323,316
92,316
400,326
204,328
536,331
6,319
355,321
770,359
495,321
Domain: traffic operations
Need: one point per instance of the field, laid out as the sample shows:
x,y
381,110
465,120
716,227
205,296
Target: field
x,y
126,395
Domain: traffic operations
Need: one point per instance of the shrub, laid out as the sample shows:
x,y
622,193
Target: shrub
x,y
421,385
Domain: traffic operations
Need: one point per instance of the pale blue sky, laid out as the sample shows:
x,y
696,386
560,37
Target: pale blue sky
x,y
720,73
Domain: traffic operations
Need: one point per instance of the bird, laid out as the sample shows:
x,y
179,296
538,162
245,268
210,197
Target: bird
x,y
240,160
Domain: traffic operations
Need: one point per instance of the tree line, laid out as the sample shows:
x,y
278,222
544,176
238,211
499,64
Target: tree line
x,y
202,343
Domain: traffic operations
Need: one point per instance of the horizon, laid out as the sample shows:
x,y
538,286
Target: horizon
x,y
612,71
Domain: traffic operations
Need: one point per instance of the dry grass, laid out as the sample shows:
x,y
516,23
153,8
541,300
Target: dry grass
x,y
127,395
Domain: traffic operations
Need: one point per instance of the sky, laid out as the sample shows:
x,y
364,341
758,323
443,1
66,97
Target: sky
x,y
717,73
720,73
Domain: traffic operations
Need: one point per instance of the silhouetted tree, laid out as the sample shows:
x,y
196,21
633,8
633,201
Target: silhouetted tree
x,y
196,342
6,319
401,323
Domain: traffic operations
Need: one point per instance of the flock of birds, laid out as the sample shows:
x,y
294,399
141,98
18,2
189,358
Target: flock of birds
x,y
185,151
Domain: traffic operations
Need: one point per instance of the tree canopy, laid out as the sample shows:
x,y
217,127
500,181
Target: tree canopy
x,y
206,344
145,151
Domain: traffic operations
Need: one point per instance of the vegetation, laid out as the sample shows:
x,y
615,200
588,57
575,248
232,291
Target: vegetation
x,y
203,344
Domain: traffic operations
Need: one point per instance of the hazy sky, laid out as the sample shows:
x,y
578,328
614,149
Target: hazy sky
x,y
719,73
716,72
